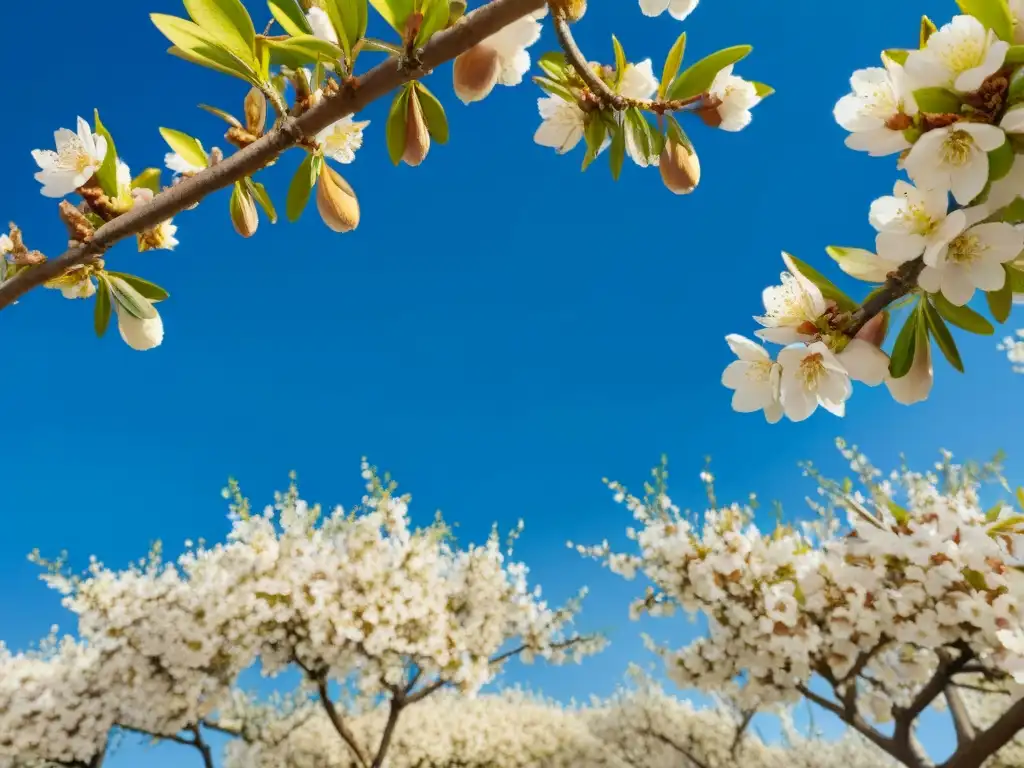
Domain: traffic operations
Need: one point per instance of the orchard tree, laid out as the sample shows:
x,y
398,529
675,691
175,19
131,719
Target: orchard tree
x,y
907,593
355,599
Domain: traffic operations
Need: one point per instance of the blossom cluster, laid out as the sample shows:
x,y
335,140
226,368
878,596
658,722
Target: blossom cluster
x,y
874,604
954,114
353,597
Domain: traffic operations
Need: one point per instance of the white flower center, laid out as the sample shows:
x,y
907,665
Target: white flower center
x,y
966,249
73,157
965,53
956,149
881,102
812,369
916,218
788,304
760,372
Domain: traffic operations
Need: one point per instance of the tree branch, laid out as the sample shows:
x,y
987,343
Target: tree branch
x,y
961,717
988,742
897,285
444,46
852,719
579,62
676,746
395,709
339,724
196,740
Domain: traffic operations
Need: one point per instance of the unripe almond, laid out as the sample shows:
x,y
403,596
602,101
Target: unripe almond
x,y
336,201
680,168
255,111
417,138
475,73
244,217
571,10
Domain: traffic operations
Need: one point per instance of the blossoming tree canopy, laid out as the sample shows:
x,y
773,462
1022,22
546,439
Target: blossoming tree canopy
x,y
358,598
304,78
906,593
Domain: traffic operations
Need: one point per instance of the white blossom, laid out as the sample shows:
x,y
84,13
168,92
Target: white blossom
x,y
638,82
878,110
677,9
914,386
912,221
736,97
503,57
139,334
562,124
954,158
973,259
180,165
755,377
78,156
341,139
959,55
321,25
791,309
812,376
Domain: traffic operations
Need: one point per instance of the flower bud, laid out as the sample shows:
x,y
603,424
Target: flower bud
x,y
336,201
475,73
680,168
417,138
874,330
244,217
139,334
456,10
255,111
916,385
571,10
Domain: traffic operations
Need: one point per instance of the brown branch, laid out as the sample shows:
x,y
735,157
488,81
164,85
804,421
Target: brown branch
x,y
385,77
339,724
397,705
897,285
202,746
990,741
670,742
946,671
579,62
852,719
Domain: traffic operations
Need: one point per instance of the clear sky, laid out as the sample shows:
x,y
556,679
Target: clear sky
x,y
501,331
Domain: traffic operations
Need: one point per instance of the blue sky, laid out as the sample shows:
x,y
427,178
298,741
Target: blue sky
x,y
501,331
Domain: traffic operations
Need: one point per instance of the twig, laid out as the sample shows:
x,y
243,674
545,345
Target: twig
x,y
339,724
444,46
395,709
579,62
990,741
898,285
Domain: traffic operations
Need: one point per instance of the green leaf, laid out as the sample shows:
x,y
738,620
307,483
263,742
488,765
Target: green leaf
x,y
940,332
299,189
397,125
435,18
1012,213
315,166
227,117
228,23
763,91
639,130
554,64
993,14
1000,160
193,43
993,513
290,16
305,48
1000,302
1015,54
107,172
188,147
928,28
433,113
620,61
148,179
1016,92
699,77
899,514
897,55
617,151
975,578
259,194
937,101
554,88
594,134
148,290
672,64
101,312
394,12
676,133
826,286
902,356
962,317
341,19
1020,496
1015,278
129,299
